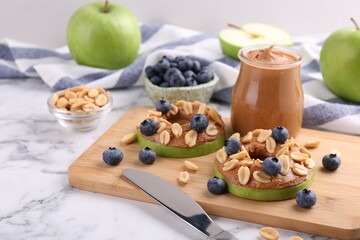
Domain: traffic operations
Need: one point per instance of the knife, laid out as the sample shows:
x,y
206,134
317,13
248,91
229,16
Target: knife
x,y
178,202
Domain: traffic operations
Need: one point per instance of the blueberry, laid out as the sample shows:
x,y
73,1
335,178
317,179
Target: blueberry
x,y
170,72
331,162
280,134
189,74
156,80
147,156
271,166
190,82
173,64
163,106
179,59
306,198
186,65
199,122
113,156
204,76
150,72
196,66
148,127
232,145
169,58
177,80
164,84
216,186
162,65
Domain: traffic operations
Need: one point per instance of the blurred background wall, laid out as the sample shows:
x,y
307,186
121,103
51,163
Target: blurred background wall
x,y
44,22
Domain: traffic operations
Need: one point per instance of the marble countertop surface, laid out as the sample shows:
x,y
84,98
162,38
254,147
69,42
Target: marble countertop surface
x,y
36,200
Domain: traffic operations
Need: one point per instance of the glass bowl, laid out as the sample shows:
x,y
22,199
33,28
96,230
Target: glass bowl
x,y
80,121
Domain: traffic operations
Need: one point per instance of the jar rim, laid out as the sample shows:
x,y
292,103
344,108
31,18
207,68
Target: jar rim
x,y
286,49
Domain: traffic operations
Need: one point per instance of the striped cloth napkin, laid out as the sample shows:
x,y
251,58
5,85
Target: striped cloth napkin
x,y
57,69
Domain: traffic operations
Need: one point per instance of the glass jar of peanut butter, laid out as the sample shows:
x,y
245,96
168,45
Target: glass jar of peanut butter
x,y
268,91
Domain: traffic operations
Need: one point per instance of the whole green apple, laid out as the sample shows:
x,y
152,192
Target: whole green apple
x,y
340,63
104,36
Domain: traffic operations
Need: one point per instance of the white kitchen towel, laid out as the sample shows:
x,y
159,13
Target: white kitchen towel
x,y
57,69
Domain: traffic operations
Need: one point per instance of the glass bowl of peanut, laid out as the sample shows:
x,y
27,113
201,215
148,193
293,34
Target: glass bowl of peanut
x,y
80,108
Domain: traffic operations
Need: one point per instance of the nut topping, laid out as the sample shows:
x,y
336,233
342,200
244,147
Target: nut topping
x,y
53,99
191,166
173,109
129,138
230,165
270,145
89,107
80,98
304,150
247,138
282,151
221,155
262,177
162,127
93,93
101,100
256,132
184,177
202,108
288,143
236,135
215,116
247,162
165,121
312,143
62,103
244,175
164,137
298,156
269,233
154,113
299,169
177,130
285,163
239,156
211,130
309,163
263,135
188,108
190,138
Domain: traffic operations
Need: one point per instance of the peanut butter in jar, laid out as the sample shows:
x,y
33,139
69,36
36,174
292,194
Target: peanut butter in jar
x,y
268,91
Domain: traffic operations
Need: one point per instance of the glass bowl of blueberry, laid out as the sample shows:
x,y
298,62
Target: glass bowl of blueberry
x,y
179,78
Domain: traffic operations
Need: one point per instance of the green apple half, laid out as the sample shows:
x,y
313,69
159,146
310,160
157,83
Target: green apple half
x,y
266,194
234,38
340,63
182,152
104,36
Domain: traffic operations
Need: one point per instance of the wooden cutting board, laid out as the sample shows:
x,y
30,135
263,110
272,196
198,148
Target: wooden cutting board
x,y
336,214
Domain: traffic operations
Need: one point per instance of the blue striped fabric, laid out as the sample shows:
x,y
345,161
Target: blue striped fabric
x,y
57,69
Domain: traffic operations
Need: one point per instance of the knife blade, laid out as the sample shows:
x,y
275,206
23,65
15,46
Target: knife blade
x,y
177,202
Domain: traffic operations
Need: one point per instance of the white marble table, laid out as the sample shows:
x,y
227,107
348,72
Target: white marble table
x,y
36,201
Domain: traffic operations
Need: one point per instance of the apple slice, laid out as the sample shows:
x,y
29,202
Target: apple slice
x,y
266,194
182,152
234,38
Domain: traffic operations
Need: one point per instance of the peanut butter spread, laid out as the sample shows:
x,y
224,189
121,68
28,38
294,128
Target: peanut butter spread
x,y
258,152
269,55
182,117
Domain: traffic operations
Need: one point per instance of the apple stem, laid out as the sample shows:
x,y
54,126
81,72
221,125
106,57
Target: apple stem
x,y
106,6
356,25
240,28
234,26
